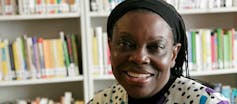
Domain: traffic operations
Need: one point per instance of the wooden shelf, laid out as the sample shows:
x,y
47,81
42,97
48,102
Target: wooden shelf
x,y
38,16
39,81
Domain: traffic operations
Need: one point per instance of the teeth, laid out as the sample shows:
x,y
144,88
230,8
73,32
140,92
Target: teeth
x,y
138,75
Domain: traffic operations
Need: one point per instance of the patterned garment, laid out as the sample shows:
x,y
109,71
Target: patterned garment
x,y
182,91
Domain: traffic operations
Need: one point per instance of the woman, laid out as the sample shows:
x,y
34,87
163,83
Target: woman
x,y
148,49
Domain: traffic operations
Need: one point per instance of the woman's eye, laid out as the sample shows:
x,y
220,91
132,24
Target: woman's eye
x,y
156,47
126,44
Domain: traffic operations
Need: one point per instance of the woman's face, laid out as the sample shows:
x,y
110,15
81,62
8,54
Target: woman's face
x,y
142,53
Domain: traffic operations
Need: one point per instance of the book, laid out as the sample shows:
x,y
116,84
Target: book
x,y
220,48
189,56
41,57
235,49
99,35
7,66
60,68
2,61
16,61
75,52
65,50
72,71
40,7
36,57
206,46
11,56
49,58
1,7
30,57
214,50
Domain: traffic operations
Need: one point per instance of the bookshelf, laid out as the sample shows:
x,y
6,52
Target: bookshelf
x,y
39,16
84,86
47,26
196,18
40,81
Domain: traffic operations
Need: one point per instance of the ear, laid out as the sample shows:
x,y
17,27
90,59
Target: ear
x,y
176,49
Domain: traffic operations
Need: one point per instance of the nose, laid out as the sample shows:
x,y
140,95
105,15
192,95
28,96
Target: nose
x,y
140,56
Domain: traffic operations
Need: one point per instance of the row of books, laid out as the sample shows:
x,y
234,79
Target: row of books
x,y
227,91
66,99
202,4
208,49
212,49
26,7
34,58
100,52
103,5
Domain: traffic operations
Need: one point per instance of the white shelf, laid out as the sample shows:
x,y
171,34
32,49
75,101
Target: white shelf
x,y
182,12
207,11
104,77
39,16
39,81
192,74
99,14
214,72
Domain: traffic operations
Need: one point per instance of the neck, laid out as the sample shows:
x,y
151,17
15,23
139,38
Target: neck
x,y
157,98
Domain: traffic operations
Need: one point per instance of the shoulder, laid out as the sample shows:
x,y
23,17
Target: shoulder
x,y
190,91
115,93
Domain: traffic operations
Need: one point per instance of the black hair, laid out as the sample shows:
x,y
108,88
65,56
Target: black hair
x,y
169,14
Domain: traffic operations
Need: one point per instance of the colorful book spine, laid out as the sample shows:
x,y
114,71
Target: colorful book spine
x,y
193,45
8,61
75,52
30,57
214,50
99,35
235,50
13,74
105,53
206,46
71,69
60,66
3,61
199,51
1,69
220,48
41,57
16,61
95,55
190,62
36,59
65,50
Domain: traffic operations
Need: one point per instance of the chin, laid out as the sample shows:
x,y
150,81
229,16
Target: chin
x,y
140,93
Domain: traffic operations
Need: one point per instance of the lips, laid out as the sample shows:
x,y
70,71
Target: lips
x,y
138,78
138,75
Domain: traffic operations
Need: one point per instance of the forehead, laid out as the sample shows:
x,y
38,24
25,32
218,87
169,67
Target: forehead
x,y
143,23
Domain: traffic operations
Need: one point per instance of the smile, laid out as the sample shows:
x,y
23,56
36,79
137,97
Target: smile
x,y
138,75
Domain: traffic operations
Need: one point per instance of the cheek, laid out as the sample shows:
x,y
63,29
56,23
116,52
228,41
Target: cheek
x,y
115,58
163,63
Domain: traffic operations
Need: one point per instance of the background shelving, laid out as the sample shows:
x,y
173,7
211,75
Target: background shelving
x,y
195,18
39,16
47,26
40,81
84,86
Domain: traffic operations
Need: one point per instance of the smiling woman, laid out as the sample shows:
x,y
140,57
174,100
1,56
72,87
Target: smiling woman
x,y
148,48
